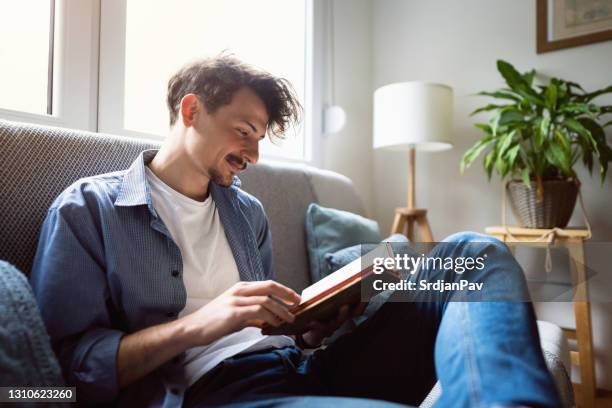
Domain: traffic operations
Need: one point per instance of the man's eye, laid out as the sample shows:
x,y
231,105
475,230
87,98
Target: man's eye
x,y
242,132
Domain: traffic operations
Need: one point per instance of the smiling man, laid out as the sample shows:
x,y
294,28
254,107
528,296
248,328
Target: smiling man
x,y
166,267
153,283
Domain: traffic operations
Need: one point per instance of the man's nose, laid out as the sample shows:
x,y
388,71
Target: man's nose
x,y
251,153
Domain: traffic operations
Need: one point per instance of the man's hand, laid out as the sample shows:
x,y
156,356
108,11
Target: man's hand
x,y
244,304
320,330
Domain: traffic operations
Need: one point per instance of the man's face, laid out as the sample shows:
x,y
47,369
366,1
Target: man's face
x,y
220,144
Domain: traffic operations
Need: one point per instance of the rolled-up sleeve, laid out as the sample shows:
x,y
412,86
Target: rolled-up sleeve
x,y
70,286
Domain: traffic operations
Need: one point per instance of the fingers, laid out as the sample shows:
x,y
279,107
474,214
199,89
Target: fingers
x,y
273,306
257,315
269,287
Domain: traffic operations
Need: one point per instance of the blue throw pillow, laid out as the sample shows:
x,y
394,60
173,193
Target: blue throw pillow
x,y
336,260
26,357
328,230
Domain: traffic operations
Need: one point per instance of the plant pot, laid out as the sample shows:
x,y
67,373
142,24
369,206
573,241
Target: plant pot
x,y
554,210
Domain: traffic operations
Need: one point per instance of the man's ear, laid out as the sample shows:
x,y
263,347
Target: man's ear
x,y
190,106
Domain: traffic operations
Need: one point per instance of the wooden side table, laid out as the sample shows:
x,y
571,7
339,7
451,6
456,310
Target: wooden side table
x,y
573,239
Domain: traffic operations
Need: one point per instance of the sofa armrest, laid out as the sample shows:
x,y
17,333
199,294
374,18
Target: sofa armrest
x,y
556,354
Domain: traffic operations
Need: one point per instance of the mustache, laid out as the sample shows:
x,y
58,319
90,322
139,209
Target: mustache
x,y
238,161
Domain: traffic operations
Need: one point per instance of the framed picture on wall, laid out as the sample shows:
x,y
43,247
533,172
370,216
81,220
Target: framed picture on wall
x,y
570,23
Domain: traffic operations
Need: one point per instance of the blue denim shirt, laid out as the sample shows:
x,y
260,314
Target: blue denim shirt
x,y
107,266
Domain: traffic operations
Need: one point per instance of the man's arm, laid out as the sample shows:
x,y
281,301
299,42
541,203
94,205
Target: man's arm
x,y
244,304
69,284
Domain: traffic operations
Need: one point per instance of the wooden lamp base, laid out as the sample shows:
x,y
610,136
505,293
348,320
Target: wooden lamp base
x,y
405,217
404,221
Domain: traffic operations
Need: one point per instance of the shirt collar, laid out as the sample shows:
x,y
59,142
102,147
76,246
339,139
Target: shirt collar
x,y
135,189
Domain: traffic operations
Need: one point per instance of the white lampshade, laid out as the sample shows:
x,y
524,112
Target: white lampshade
x,y
418,114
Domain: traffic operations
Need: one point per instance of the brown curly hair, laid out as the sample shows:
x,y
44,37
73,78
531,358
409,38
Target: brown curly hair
x,y
215,80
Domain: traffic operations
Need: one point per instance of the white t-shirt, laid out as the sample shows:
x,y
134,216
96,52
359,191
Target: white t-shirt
x,y
209,269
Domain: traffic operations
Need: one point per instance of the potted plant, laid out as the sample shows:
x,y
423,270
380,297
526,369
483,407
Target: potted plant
x,y
535,137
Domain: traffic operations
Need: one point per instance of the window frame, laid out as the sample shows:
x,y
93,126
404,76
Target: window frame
x,y
89,39
75,68
112,70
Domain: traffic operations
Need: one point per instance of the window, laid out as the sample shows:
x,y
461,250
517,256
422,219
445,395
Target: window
x,y
49,54
103,65
159,37
26,52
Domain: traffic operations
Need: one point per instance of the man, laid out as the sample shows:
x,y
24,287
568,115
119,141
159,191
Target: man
x,y
153,282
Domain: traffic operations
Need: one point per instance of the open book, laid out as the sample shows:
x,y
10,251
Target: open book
x,y
347,286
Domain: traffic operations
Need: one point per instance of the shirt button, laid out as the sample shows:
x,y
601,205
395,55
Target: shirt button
x,y
175,273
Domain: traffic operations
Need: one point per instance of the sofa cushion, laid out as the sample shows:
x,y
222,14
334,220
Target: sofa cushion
x,y
38,163
26,358
328,230
336,260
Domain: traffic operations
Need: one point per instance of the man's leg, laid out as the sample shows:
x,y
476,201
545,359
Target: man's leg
x,y
485,343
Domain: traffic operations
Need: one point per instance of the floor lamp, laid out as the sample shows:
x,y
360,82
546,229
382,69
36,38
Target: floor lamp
x,y
410,116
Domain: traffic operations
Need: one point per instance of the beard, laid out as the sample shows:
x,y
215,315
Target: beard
x,y
222,180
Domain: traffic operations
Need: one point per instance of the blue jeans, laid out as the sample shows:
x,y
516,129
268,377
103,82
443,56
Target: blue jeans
x,y
484,353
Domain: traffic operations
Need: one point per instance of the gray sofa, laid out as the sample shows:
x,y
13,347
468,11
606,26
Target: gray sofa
x,y
37,163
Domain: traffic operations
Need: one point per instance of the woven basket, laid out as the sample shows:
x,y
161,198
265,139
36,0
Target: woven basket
x,y
555,210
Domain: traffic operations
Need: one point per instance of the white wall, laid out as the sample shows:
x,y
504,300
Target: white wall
x,y
349,152
457,43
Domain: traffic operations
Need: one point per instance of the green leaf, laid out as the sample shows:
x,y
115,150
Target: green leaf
x,y
494,123
504,143
505,168
556,156
574,85
587,155
603,170
512,153
525,177
501,95
489,107
563,142
510,115
539,135
595,129
592,95
578,107
603,150
577,127
486,128
528,76
513,78
544,127
488,163
472,153
550,96
562,94
517,83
